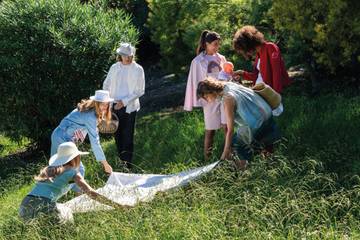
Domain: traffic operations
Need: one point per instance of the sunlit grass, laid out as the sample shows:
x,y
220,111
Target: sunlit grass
x,y
309,189
7,146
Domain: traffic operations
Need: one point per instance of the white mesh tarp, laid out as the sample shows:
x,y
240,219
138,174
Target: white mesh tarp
x,y
130,189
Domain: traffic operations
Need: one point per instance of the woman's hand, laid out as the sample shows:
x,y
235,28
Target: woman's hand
x,y
107,167
119,105
237,74
226,154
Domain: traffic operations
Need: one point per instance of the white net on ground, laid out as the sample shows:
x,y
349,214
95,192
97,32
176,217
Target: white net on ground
x,y
130,189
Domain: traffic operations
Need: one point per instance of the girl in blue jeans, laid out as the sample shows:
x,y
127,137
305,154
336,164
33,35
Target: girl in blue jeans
x,y
246,110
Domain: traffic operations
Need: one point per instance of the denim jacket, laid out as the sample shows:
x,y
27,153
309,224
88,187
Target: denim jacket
x,y
86,122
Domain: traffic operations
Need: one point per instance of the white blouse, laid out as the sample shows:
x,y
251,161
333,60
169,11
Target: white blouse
x,y
126,83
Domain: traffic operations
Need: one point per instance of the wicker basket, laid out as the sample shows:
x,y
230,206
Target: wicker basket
x,y
111,127
268,94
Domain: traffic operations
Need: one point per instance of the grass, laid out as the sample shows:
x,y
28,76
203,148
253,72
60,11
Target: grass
x,y
7,146
309,189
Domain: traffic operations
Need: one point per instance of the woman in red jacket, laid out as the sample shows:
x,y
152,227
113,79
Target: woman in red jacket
x,y
269,66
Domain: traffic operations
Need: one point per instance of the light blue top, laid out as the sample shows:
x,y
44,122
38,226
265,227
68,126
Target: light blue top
x,y
251,109
57,188
86,122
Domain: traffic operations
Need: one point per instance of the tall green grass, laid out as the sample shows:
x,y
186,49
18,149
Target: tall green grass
x,y
309,189
7,146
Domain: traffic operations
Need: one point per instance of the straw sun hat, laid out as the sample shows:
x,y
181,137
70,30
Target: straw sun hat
x,y
66,152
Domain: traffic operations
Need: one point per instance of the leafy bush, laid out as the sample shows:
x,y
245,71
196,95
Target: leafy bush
x,y
322,33
147,53
177,25
137,8
53,53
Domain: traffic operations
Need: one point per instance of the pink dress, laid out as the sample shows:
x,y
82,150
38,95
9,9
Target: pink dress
x,y
201,67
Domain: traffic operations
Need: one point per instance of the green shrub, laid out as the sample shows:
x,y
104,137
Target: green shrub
x,y
137,8
177,25
53,53
322,33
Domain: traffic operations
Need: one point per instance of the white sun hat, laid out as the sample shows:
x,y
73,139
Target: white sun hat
x,y
126,49
102,96
66,152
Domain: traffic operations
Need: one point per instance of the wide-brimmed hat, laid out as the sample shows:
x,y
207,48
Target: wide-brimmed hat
x,y
102,96
66,152
126,49
270,95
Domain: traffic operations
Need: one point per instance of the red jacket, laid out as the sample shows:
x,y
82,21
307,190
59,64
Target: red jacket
x,y
272,67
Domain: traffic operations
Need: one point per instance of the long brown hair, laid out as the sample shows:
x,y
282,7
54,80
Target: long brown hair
x,y
206,37
208,86
88,104
49,173
247,38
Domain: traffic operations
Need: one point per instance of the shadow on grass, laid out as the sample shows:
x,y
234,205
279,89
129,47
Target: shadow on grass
x,y
324,128
19,168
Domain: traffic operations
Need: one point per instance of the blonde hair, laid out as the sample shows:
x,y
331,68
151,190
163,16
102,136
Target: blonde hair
x,y
208,86
88,104
49,173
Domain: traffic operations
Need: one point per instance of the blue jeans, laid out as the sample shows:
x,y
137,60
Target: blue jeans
x,y
264,137
32,206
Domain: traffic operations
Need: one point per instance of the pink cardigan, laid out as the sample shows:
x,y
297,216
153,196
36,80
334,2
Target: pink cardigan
x,y
197,73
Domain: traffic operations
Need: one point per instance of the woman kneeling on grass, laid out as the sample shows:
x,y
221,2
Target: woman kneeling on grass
x,y
54,181
249,111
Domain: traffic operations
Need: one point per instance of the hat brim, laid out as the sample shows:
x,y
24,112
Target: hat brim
x,y
119,52
56,161
124,54
102,100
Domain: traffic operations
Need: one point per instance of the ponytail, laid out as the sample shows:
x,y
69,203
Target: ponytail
x,y
49,173
206,37
201,45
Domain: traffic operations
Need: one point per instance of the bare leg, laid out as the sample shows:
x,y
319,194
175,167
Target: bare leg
x,y
208,143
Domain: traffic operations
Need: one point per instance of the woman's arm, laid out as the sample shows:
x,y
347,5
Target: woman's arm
x,y
108,79
229,105
275,63
252,76
90,123
85,187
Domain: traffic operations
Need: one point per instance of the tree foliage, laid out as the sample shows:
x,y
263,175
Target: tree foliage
x,y
324,32
177,24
